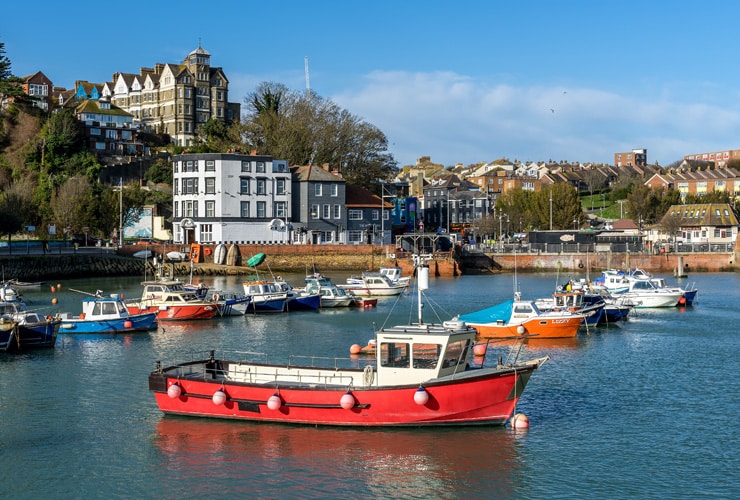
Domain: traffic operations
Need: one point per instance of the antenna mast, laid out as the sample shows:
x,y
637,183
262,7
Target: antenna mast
x,y
308,85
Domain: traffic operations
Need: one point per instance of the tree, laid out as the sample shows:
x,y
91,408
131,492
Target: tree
x,y
594,179
305,129
14,209
10,86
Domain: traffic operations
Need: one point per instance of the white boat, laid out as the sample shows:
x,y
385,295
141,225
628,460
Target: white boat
x,y
394,274
644,293
375,285
175,255
143,254
612,281
331,294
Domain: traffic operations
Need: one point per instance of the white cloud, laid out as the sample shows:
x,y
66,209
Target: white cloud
x,y
454,118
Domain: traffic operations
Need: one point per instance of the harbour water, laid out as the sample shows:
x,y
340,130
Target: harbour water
x,y
642,409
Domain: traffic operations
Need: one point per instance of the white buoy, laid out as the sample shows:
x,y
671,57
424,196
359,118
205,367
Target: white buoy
x,y
174,391
347,401
274,402
519,421
219,397
520,329
421,396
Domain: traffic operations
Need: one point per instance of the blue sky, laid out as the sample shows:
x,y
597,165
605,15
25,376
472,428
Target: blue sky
x,y
462,82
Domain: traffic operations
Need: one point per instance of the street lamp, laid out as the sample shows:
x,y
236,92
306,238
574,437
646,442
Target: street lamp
x,y
550,208
575,223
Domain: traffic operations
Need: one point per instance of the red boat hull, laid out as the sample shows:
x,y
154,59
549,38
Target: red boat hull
x,y
178,313
489,399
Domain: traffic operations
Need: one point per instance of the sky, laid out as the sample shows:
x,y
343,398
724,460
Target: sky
x,y
461,82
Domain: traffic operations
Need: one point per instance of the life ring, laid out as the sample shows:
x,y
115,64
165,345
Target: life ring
x,y
207,251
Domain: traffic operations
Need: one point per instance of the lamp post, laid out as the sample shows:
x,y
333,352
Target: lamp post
x,y
551,208
120,212
575,223
449,213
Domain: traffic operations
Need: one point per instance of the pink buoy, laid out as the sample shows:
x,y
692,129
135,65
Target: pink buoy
x,y
174,391
519,421
421,396
347,401
274,402
53,289
479,349
355,349
127,324
219,397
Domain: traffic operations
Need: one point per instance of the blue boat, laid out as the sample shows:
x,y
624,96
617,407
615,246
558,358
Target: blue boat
x,y
109,314
265,296
299,299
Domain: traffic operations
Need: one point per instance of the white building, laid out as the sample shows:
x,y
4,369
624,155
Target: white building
x,y
224,198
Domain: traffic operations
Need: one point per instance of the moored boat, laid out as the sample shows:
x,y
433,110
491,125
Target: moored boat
x,y
517,317
375,285
171,302
22,329
330,294
106,314
423,374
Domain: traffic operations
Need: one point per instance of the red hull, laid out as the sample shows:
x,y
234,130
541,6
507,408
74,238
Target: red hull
x,y
178,313
466,401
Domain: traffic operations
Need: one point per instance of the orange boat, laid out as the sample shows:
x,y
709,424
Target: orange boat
x,y
518,318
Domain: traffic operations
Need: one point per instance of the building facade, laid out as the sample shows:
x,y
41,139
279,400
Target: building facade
x,y
634,158
319,203
108,129
223,198
39,88
175,99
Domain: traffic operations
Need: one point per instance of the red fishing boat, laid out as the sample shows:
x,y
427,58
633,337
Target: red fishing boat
x,y
172,302
422,374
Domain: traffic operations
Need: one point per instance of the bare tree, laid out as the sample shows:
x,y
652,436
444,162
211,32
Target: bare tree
x,y
66,201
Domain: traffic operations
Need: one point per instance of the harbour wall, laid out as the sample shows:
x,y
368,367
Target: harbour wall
x,y
351,258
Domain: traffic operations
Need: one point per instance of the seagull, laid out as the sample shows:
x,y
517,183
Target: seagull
x,y
552,110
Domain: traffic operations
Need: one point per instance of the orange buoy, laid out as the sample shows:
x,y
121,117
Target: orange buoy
x,y
53,290
355,349
479,349
54,300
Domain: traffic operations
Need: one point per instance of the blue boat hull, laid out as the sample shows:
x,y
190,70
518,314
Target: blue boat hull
x,y
310,302
139,322
272,306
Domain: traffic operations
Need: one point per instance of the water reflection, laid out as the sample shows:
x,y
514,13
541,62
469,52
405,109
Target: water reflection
x,y
339,462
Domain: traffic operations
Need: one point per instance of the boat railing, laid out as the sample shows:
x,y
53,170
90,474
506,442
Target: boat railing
x,y
255,368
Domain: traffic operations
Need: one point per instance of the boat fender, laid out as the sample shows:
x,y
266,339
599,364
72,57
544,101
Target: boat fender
x,y
207,251
521,330
216,297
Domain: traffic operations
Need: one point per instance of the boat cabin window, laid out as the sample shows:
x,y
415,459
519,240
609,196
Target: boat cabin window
x,y
394,354
426,355
457,352
108,307
522,309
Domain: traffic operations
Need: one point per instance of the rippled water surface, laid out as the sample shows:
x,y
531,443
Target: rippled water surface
x,y
645,408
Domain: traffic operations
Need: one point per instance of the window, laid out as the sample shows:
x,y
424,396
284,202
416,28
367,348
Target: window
x,y
210,185
280,186
190,208
355,236
261,209
262,186
426,355
326,211
189,185
394,354
337,211
210,208
334,190
280,209
244,209
375,215
210,166
206,232
315,211
260,168
246,166
317,189
190,166
353,214
244,185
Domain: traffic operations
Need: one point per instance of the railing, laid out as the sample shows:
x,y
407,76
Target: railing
x,y
535,248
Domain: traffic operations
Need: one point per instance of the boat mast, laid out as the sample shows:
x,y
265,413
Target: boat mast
x,y
422,282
